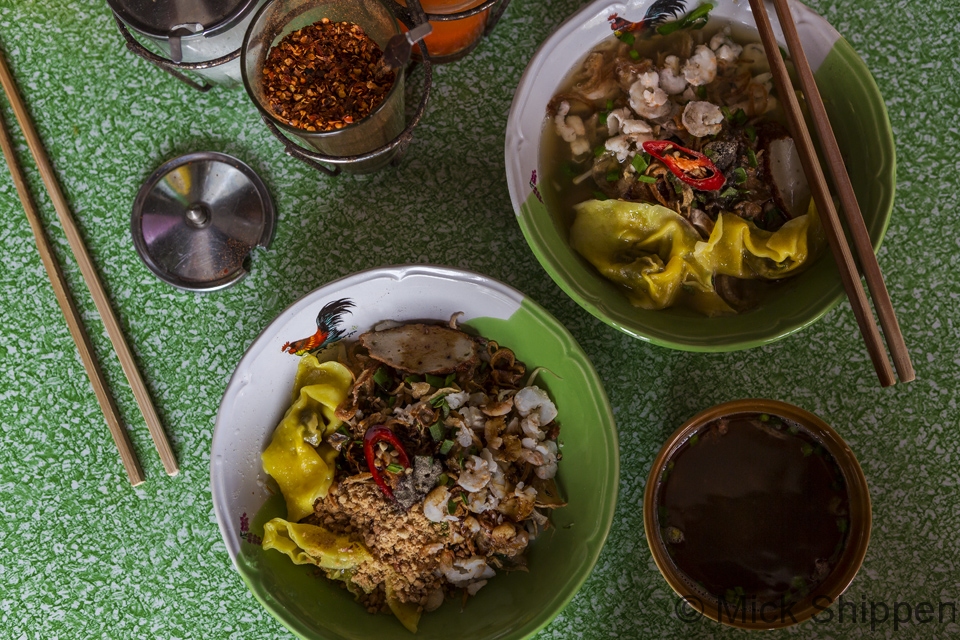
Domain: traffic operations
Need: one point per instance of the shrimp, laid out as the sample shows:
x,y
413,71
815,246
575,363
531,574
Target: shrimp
x,y
533,398
475,475
571,129
435,505
671,79
727,50
702,118
647,99
701,67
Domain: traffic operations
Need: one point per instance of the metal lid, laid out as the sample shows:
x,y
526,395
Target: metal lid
x,y
161,18
198,217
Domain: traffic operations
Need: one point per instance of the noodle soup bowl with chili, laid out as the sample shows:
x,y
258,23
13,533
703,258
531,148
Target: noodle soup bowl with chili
x,y
549,191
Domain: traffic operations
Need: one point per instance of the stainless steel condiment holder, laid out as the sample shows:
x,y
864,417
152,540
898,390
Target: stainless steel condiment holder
x,y
411,15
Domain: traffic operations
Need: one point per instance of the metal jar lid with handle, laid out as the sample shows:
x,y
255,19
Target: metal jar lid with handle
x,y
199,36
197,219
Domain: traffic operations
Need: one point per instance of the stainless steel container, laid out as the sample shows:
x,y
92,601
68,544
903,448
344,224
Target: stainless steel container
x,y
199,36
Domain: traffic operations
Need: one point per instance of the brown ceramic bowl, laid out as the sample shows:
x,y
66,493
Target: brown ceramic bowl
x,y
843,570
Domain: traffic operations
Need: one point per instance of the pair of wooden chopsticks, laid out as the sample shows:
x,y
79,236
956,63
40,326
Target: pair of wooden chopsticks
x,y
848,200
107,405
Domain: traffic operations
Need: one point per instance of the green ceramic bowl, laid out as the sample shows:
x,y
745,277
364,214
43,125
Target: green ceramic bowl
x,y
863,131
512,605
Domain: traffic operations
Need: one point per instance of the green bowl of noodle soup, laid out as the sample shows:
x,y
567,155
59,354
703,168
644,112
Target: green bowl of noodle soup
x,y
545,210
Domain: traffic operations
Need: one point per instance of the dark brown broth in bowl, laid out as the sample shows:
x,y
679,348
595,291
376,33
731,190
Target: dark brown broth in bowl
x,y
753,507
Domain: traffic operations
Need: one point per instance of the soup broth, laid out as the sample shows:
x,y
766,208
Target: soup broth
x,y
753,508
685,128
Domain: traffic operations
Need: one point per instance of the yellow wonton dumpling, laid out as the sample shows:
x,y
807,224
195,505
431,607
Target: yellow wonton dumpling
x,y
654,253
297,458
408,613
311,544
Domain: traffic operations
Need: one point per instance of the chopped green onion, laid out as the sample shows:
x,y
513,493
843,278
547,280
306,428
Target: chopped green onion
x,y
739,117
751,132
739,175
729,191
676,184
647,179
445,447
710,153
793,429
435,381
412,378
842,525
394,468
699,12
598,151
696,19
752,158
806,449
437,431
599,195
694,439
443,479
668,28
726,113
702,91
626,37
609,105
381,377
634,54
613,176
449,379
603,117
639,163
452,507
438,401
764,417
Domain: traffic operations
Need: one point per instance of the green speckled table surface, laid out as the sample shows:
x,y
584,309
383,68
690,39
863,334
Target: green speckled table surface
x,y
85,555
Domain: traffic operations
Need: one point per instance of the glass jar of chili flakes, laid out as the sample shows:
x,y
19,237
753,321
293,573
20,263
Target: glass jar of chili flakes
x,y
314,69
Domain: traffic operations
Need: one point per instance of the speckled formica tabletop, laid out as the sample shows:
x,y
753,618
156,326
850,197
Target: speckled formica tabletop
x,y
85,555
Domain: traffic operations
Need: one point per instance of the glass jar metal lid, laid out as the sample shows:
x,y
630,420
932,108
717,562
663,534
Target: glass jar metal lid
x,y
197,218
160,19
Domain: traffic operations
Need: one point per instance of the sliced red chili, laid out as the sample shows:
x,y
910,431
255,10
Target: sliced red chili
x,y
381,433
690,166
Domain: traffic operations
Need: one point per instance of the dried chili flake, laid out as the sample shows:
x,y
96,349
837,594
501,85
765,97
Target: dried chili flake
x,y
325,76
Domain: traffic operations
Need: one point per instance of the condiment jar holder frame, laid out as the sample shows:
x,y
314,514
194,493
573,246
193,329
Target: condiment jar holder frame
x,y
171,67
413,16
496,7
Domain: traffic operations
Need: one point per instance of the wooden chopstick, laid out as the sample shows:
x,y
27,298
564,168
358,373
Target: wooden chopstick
x,y
127,362
72,316
821,196
848,199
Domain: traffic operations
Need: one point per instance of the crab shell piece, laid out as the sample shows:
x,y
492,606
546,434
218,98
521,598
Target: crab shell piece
x,y
422,348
